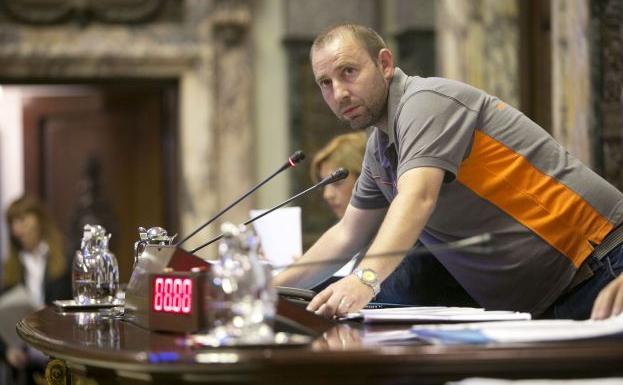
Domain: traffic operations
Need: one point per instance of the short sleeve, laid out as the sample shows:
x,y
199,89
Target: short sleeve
x,y
433,130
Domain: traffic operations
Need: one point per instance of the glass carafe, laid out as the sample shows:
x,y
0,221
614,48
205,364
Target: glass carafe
x,y
95,272
241,301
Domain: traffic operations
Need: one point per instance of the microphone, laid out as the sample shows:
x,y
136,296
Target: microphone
x,y
335,176
292,161
481,243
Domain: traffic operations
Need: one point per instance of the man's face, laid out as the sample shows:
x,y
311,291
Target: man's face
x,y
353,85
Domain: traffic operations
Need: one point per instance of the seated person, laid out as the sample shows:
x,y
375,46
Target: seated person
x,y
420,279
37,261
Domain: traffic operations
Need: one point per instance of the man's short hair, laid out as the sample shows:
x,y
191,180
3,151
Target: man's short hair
x,y
366,36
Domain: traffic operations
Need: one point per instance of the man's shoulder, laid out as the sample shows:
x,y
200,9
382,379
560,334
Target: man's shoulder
x,y
434,89
442,86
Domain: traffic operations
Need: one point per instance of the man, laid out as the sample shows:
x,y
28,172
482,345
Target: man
x,y
447,161
420,279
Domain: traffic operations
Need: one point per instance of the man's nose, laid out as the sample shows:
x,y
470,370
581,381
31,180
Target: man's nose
x,y
340,90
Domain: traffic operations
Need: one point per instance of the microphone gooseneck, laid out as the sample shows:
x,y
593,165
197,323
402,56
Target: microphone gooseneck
x,y
336,175
292,161
481,243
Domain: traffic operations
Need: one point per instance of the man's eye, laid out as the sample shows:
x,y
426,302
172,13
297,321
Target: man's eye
x,y
325,83
349,71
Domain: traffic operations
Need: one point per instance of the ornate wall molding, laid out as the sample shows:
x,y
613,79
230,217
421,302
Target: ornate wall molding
x,y
231,21
183,51
84,11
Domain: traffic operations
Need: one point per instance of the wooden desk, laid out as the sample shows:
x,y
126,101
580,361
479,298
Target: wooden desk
x,y
114,351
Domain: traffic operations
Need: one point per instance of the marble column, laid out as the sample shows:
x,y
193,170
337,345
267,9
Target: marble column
x,y
607,79
571,102
234,100
478,43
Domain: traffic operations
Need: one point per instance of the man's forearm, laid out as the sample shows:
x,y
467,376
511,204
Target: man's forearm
x,y
407,216
342,241
400,230
321,260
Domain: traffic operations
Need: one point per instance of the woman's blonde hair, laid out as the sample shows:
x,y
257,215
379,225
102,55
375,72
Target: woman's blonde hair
x,y
56,264
345,150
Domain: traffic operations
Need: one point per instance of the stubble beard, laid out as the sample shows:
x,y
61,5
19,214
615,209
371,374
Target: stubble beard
x,y
365,120
372,110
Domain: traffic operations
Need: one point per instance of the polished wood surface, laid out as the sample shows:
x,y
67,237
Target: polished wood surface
x,y
115,351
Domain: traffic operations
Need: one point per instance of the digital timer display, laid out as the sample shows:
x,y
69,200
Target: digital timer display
x,y
176,301
172,295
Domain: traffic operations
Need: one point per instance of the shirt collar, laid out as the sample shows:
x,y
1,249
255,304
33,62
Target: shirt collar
x,y
396,90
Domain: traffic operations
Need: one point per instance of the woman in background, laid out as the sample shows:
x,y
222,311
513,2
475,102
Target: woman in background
x,y
344,151
36,260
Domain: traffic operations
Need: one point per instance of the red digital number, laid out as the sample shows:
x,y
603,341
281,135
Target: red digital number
x,y
177,293
158,294
172,295
168,294
186,299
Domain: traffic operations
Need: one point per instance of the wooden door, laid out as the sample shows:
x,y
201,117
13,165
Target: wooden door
x,y
103,157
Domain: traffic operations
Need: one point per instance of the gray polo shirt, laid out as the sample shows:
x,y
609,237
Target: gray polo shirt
x,y
504,175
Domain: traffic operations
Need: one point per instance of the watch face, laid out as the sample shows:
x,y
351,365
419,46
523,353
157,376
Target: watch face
x,y
368,276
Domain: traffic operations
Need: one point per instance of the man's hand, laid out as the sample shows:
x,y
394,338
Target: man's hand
x,y
345,296
609,302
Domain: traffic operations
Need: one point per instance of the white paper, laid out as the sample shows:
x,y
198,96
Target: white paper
x,y
523,331
374,337
497,381
280,234
439,314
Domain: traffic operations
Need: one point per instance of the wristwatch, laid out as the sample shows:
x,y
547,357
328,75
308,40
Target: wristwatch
x,y
370,278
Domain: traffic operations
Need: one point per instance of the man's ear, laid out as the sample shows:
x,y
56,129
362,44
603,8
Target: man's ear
x,y
385,61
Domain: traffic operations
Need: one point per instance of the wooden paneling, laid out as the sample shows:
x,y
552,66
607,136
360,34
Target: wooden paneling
x,y
103,157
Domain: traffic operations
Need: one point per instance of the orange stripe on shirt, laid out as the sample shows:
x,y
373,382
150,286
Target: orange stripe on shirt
x,y
541,203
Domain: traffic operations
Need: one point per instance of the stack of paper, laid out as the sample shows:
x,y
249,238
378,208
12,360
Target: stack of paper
x,y
436,314
522,331
497,381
